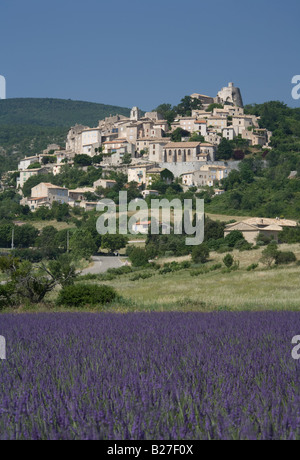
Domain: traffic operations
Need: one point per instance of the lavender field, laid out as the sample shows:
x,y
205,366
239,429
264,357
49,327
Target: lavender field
x,y
150,376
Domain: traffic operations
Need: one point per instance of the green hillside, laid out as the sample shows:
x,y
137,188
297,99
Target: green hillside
x,y
55,112
27,126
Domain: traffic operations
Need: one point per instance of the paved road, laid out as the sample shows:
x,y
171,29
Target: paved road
x,y
101,264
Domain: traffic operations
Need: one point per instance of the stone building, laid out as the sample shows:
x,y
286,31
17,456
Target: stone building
x,y
252,227
230,95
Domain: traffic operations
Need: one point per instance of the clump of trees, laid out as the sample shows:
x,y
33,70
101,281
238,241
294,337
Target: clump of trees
x,y
30,283
271,255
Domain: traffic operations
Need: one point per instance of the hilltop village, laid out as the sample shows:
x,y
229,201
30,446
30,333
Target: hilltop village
x,y
141,146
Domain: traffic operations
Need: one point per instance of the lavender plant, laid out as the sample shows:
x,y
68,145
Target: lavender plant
x,y
150,376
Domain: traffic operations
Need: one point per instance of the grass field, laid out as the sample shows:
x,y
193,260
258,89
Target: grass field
x,y
40,224
261,289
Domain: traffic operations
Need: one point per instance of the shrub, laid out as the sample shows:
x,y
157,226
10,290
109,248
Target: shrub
x,y
142,276
120,271
252,267
243,245
138,257
228,260
200,271
269,254
233,237
263,240
185,264
165,270
33,255
215,267
86,294
200,254
284,258
222,249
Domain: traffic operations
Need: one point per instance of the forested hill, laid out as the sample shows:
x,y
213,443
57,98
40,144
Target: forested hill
x,y
27,126
55,112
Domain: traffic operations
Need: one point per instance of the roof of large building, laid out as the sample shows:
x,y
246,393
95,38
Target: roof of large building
x,y
116,141
260,223
182,145
48,185
82,190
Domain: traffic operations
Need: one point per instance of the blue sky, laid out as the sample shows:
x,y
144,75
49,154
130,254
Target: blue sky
x,y
144,53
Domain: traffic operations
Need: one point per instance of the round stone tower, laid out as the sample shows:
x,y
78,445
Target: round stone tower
x,y
230,95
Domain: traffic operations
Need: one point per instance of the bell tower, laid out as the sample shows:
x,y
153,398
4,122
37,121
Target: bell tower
x,y
135,114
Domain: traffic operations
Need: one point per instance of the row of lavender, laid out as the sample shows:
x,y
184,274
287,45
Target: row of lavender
x,y
150,376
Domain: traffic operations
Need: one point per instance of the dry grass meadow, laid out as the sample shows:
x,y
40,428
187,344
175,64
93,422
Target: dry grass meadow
x,y
262,289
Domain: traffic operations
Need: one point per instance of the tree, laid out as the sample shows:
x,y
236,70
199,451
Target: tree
x,y
49,159
167,175
225,150
25,236
200,254
269,254
187,105
233,237
195,137
213,106
35,165
46,241
30,282
138,257
82,160
228,260
167,112
82,244
126,160
177,135
113,242
96,159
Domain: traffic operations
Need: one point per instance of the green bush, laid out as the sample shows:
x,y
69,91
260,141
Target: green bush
x,y
120,271
252,267
233,237
165,270
33,255
215,267
228,260
243,245
200,254
200,271
138,257
222,249
142,276
284,258
79,295
185,264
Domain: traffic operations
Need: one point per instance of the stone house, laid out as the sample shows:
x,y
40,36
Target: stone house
x,y
44,194
252,227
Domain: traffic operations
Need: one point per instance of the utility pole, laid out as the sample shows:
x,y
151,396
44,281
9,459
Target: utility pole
x,y
12,238
68,240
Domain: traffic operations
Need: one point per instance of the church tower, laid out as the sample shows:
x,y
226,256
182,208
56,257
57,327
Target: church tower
x,y
135,114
